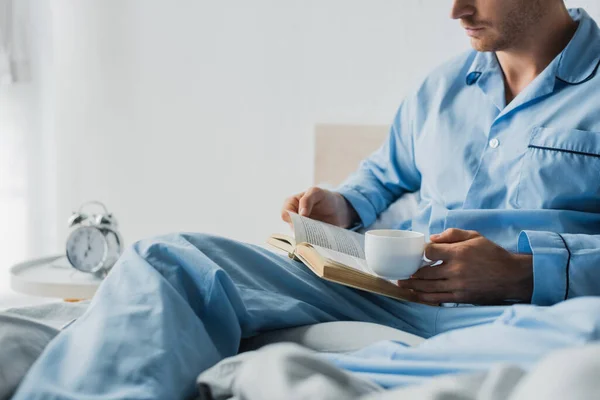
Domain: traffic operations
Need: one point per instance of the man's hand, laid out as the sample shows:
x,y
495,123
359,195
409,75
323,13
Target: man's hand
x,y
323,205
475,270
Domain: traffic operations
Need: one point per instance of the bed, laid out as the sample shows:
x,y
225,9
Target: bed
x,y
25,331
338,151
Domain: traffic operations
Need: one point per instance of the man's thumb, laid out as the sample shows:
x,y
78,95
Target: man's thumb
x,y
453,235
306,205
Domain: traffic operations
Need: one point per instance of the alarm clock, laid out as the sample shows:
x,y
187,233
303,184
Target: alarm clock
x,y
94,244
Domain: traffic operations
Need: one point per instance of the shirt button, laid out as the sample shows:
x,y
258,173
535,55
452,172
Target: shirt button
x,y
494,143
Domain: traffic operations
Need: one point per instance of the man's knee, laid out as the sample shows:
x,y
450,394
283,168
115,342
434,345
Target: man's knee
x,y
178,257
190,253
173,242
196,251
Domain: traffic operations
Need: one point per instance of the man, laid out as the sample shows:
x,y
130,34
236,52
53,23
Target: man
x,y
504,145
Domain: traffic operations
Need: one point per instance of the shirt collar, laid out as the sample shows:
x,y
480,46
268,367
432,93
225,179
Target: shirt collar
x,y
578,62
580,59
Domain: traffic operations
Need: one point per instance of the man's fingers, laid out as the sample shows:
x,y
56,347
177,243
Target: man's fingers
x,y
290,204
454,235
438,298
437,272
437,252
308,201
285,216
427,286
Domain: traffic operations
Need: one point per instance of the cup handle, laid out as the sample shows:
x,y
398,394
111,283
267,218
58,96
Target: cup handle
x,y
430,263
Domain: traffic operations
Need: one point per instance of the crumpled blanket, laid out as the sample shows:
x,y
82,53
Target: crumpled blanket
x,y
491,361
288,371
521,355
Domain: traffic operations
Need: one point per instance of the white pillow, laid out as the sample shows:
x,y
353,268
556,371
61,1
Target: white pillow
x,y
403,209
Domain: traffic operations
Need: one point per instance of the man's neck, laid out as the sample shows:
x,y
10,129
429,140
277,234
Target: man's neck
x,y
523,62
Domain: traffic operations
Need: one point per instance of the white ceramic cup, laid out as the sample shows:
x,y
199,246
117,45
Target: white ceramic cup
x,y
394,254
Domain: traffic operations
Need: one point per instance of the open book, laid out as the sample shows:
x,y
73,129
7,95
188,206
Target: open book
x,y
335,254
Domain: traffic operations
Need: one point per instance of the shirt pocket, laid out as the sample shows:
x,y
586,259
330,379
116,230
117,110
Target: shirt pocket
x,y
561,170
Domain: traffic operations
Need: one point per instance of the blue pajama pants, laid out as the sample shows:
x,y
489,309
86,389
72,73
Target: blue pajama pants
x,y
174,306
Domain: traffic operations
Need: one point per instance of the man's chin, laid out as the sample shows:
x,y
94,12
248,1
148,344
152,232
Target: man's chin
x,y
482,45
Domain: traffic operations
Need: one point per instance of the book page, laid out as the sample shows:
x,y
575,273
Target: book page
x,y
345,259
328,236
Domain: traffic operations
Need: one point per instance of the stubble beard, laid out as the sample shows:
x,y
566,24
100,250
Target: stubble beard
x,y
514,28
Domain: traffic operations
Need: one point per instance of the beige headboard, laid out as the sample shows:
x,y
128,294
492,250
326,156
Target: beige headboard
x,y
340,148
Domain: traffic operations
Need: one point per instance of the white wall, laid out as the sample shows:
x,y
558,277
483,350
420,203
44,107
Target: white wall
x,y
198,115
26,204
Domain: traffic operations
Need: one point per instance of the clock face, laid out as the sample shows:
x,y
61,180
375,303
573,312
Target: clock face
x,y
86,249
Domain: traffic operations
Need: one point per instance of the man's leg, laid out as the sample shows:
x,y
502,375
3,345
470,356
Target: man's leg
x,y
174,306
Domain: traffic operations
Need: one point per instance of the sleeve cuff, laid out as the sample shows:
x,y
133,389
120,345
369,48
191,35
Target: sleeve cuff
x,y
361,204
550,265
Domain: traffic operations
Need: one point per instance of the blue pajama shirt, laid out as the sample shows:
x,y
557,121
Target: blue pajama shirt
x,y
526,175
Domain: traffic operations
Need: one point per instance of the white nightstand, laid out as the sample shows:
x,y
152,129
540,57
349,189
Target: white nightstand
x,y
53,277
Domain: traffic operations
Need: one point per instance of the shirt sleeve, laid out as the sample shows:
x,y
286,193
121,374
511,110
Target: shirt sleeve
x,y
564,265
388,173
